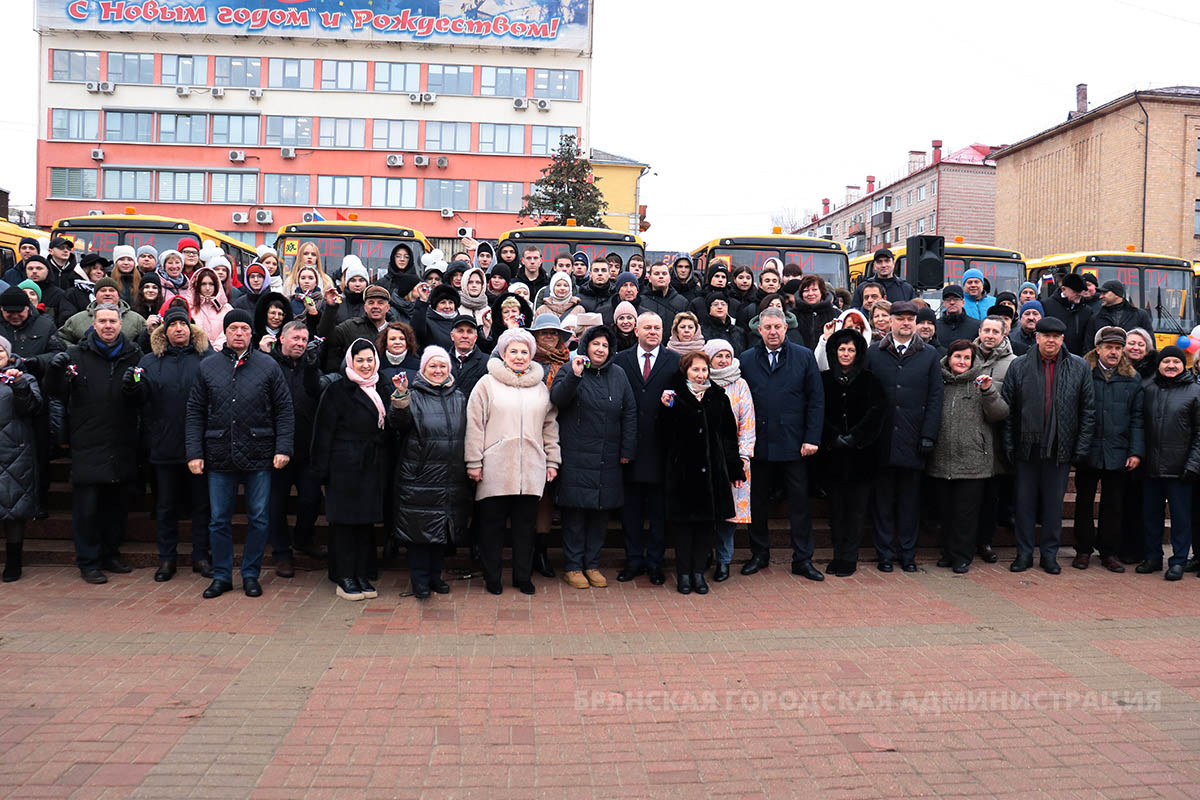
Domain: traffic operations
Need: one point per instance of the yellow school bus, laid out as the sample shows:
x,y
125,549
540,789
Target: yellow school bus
x,y
1160,284
100,233
819,256
372,242
557,240
10,238
1003,268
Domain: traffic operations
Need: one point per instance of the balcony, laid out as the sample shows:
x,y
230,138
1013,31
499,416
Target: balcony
x,y
881,220
856,229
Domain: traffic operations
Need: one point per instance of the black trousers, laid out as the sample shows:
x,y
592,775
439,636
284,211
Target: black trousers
x,y
520,512
308,506
693,541
644,502
425,563
989,510
1112,509
794,475
961,502
847,513
41,453
1131,544
350,556
897,513
181,495
97,522
1041,485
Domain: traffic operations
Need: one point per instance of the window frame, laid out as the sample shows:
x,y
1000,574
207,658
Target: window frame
x,y
490,187
242,120
328,187
305,71
89,66
440,184
555,85
81,177
191,117
381,186
335,83
193,62
283,142
487,138
243,179
460,70
294,180
76,117
390,68
353,128
459,128
144,61
387,125
253,64
511,72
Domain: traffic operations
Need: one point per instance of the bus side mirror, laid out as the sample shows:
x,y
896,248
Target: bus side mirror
x,y
927,255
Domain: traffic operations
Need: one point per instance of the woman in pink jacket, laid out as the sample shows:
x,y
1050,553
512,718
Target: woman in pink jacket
x,y
209,304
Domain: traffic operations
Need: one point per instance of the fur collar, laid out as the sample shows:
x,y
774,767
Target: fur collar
x,y
1124,366
158,340
532,376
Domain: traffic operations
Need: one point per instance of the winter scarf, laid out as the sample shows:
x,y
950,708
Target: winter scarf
x,y
559,307
683,348
367,384
395,361
551,361
726,375
109,351
466,300
698,389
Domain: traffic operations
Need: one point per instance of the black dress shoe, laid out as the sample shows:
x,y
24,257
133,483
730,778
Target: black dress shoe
x,y
1146,567
217,588
908,566
657,578
961,568
805,569
494,587
93,576
945,562
284,568
1050,565
1021,563
628,573
755,564
683,583
115,565
884,565
251,587
699,585
721,573
203,567
439,586
1174,572
368,590
842,568
1192,565
527,587
420,592
988,555
541,563
165,571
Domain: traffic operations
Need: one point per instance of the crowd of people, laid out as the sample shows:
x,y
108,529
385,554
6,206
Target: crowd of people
x,y
471,403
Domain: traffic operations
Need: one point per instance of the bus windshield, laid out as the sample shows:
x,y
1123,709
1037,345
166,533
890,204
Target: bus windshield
x,y
374,252
1164,292
595,250
829,265
103,241
1002,276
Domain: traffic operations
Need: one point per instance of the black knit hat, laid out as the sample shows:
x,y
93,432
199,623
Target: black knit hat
x,y
443,291
14,299
238,315
178,314
404,283
28,240
501,269
1170,351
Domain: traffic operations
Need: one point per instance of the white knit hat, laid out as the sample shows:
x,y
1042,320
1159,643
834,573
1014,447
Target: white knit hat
x,y
434,352
124,251
714,346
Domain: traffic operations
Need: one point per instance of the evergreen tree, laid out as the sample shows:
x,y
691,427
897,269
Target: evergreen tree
x,y
566,190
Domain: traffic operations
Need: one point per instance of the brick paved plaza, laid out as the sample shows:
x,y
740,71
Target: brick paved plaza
x,y
984,685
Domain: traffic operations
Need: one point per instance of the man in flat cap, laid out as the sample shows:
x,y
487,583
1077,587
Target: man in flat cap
x,y
1050,424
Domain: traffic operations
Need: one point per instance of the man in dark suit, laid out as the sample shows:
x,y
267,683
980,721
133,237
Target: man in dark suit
x,y
468,364
649,366
789,409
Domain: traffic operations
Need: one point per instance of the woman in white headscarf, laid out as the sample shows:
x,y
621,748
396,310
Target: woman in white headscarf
x,y
726,371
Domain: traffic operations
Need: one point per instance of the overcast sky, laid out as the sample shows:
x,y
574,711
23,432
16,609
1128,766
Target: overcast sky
x,y
746,109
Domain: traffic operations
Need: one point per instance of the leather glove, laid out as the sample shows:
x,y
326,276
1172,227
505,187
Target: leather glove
x,y
60,363
128,380
926,447
312,352
844,442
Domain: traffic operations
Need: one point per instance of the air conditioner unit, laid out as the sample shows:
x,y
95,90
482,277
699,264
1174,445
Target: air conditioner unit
x,y
92,86
520,103
237,155
420,161
217,91
447,213
107,87
95,212
414,97
395,160
543,104
308,216
256,94
264,216
287,152
443,161
182,91
97,154
241,217
429,97
465,230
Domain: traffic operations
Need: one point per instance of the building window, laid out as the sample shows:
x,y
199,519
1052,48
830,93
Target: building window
x,y
881,204
185,70
181,187
72,123
896,234
933,186
501,138
556,84
235,129
394,192
921,193
447,194
908,229
245,237
233,187
339,190
391,77
294,131
341,132
394,134
451,79
452,136
290,73
237,71
545,139
1195,223
502,82
182,128
921,225
289,190
76,65
131,67
128,126
933,222
348,76
81,183
500,196
909,198
127,184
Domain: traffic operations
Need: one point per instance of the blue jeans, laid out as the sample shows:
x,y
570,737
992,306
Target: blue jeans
x,y
222,496
725,541
1157,493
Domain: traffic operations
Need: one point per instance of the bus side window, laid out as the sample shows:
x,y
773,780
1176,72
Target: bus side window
x,y
8,259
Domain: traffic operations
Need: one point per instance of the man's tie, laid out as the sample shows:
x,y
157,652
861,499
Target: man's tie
x,y
774,360
900,349
646,368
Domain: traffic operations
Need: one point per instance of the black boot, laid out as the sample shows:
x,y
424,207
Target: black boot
x,y
541,560
12,561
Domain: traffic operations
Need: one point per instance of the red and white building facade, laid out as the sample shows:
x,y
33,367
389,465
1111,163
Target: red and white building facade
x,y
221,128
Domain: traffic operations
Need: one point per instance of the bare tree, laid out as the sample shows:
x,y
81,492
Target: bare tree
x,y
788,219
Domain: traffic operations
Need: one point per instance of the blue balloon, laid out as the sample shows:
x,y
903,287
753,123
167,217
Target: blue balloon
x,y
1183,342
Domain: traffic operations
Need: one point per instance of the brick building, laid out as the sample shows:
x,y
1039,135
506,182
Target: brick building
x,y
951,195
1124,173
245,129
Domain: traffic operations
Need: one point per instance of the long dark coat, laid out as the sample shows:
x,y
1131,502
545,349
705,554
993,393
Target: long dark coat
x,y
913,385
855,406
19,402
700,452
348,455
647,466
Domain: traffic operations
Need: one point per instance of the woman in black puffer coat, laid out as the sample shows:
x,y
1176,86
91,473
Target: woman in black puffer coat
x,y
20,400
814,307
432,495
597,424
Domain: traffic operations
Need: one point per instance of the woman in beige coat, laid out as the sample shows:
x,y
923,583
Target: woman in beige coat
x,y
511,453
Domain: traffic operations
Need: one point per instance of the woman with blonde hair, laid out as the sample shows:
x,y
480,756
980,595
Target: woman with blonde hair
x,y
685,334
